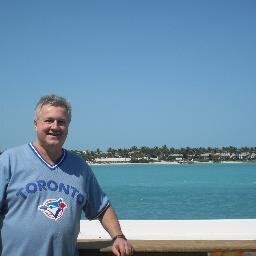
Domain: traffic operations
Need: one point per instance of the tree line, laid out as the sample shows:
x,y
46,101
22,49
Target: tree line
x,y
147,154
187,154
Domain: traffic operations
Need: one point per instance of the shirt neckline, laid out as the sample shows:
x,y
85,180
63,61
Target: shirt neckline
x,y
51,166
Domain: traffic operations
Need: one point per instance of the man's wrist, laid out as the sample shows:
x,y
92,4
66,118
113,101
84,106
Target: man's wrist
x,y
119,236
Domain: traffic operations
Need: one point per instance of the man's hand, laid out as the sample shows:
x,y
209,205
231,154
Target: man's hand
x,y
122,247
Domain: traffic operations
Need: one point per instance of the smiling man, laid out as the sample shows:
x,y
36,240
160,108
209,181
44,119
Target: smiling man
x,y
44,188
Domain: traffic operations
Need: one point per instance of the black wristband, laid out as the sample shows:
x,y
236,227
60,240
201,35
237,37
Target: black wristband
x,y
119,236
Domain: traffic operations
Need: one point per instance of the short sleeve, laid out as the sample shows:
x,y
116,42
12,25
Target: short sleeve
x,y
4,178
97,201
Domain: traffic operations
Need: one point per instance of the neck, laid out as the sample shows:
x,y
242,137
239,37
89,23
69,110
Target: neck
x,y
50,154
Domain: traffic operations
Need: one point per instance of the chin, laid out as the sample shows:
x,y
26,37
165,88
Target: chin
x,y
55,143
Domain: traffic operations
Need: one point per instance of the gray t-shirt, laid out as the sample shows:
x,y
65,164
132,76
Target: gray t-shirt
x,y
41,204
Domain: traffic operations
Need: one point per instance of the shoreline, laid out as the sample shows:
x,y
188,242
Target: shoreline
x,y
170,163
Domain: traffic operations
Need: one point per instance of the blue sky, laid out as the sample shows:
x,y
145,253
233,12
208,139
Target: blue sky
x,y
139,72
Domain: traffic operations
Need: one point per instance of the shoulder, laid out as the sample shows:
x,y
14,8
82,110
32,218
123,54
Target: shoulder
x,y
12,158
73,155
77,162
14,152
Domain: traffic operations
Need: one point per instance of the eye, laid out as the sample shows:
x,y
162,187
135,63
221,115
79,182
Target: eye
x,y
61,122
48,121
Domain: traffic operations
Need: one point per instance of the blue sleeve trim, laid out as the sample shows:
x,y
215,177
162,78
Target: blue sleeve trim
x,y
103,210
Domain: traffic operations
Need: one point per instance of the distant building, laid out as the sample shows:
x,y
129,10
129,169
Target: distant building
x,y
113,160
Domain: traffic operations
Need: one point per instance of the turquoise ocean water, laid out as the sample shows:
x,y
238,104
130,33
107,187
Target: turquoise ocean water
x,y
188,191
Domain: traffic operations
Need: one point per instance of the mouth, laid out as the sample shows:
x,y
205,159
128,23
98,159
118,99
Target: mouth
x,y
54,134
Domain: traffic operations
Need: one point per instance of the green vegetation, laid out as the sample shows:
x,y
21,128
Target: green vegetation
x,y
158,154
146,154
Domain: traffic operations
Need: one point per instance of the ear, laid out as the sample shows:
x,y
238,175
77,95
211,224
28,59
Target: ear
x,y
35,123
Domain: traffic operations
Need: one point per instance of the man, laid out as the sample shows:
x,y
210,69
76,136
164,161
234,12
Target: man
x,y
44,188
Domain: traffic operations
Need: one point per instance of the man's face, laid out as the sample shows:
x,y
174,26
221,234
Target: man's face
x,y
52,126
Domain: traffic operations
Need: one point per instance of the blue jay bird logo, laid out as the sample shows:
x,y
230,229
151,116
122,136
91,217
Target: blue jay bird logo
x,y
53,208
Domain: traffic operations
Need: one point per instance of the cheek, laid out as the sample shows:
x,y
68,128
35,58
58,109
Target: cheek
x,y
65,131
40,128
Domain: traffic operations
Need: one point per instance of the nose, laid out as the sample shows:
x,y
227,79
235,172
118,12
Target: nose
x,y
54,124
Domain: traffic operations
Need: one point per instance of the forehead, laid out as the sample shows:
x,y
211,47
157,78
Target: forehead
x,y
53,111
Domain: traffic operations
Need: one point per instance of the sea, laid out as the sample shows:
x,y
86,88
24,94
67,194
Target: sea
x,y
180,191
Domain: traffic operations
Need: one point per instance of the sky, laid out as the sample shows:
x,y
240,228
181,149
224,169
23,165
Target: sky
x,y
179,73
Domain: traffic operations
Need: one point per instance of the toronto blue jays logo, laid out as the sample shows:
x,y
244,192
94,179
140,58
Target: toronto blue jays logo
x,y
53,208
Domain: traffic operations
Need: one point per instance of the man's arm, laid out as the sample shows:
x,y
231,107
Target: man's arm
x,y
111,224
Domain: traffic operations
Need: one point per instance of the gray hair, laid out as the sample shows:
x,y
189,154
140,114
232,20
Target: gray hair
x,y
53,100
